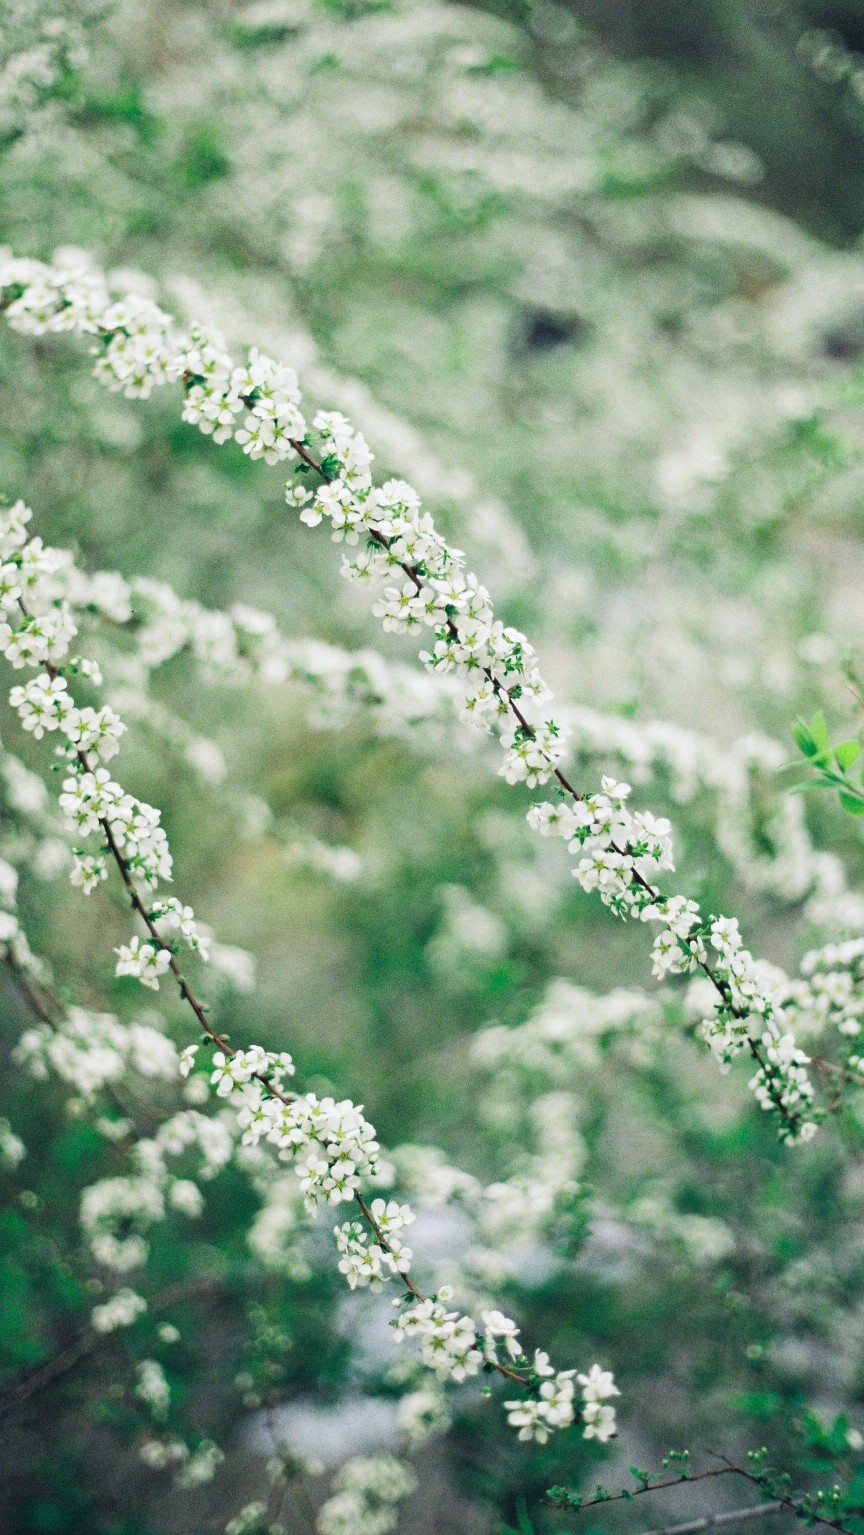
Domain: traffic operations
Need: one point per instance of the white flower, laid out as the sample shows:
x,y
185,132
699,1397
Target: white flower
x,y
152,1387
186,1063
597,1384
599,1422
530,1419
143,960
121,1310
500,1328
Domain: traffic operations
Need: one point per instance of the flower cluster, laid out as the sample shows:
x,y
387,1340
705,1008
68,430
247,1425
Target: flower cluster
x,y
196,1467
499,682
114,1214
120,1310
144,961
117,1212
90,1050
263,392
86,1049
332,1150
566,1033
40,46
331,1145
151,1387
91,801
230,1071
365,1497
448,1342
246,643
140,348
12,1148
769,849
618,853
366,1262
830,993
554,1405
597,1413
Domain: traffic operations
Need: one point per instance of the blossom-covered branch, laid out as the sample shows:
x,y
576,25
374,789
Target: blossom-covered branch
x,y
331,1146
618,852
770,853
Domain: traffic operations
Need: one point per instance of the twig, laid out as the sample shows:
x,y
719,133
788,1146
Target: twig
x,y
49,1009
710,1521
628,1495
832,1069
200,1009
787,1502
87,1342
728,1468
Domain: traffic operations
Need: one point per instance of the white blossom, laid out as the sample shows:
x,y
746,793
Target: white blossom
x,y
143,961
121,1310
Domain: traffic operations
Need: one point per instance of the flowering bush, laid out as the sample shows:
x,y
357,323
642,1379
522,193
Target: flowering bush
x,y
404,845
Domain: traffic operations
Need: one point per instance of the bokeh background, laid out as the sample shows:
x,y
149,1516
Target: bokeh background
x,y
591,276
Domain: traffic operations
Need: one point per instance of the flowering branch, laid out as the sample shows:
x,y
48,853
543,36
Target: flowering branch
x,y
332,1146
618,851
400,700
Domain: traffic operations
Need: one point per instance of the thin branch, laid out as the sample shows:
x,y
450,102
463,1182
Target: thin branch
x,y
88,1342
415,575
711,1521
49,1009
787,1502
200,1009
832,1069
628,1495
728,1468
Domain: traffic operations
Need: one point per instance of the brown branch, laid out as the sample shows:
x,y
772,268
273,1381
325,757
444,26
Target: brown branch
x,y
627,1495
728,1468
834,1070
200,1009
787,1502
88,1342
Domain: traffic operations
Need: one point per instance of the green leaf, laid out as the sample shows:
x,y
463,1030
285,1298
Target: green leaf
x,y
803,739
852,803
846,754
819,732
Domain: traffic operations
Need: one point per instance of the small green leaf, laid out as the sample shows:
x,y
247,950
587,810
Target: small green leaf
x,y
819,732
852,803
846,754
803,739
